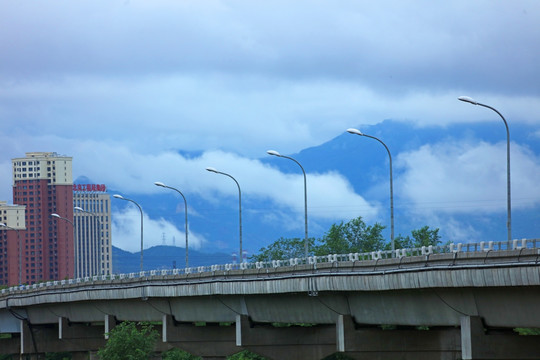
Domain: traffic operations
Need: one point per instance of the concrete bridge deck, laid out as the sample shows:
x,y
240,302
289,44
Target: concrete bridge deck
x,y
457,294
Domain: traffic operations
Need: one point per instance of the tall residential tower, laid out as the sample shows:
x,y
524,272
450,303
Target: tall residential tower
x,y
12,226
43,182
93,250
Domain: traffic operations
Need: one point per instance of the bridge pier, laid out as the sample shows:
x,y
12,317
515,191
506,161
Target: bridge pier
x,y
64,336
289,342
209,342
479,344
407,344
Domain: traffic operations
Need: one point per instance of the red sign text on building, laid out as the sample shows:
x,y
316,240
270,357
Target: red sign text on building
x,y
89,187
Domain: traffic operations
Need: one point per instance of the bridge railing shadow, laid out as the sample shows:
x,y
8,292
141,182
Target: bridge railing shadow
x,y
484,246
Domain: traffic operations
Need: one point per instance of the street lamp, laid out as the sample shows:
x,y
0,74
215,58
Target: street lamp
x,y
140,209
306,244
358,132
20,250
508,194
158,183
72,227
63,218
211,169
100,238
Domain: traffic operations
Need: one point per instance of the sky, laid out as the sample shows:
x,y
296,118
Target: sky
x,y
123,86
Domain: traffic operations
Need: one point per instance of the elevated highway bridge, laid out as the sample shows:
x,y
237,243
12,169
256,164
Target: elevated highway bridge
x,y
449,302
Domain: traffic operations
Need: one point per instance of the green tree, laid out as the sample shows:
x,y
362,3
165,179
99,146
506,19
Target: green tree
x,y
58,356
177,354
420,237
426,237
129,341
528,331
283,249
245,355
351,237
337,356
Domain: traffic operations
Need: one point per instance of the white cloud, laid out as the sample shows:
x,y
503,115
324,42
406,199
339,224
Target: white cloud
x,y
330,195
468,177
236,81
121,85
126,231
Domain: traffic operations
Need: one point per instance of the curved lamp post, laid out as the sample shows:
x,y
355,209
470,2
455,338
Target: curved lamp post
x,y
508,194
20,251
54,215
63,218
158,183
211,169
358,132
140,209
78,208
306,244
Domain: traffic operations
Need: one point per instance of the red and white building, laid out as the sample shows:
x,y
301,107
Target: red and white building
x,y
43,185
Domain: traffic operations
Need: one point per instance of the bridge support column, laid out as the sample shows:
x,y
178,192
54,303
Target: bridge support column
x,y
28,343
288,342
407,344
61,337
110,323
477,344
209,342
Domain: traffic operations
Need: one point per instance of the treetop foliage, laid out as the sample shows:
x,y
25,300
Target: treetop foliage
x,y
129,341
354,236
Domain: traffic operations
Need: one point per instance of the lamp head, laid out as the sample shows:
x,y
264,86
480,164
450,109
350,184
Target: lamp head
x,y
118,196
78,208
159,183
355,131
55,215
273,152
211,169
2,225
468,99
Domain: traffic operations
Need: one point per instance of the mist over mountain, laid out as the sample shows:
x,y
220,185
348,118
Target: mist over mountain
x,y
364,163
164,257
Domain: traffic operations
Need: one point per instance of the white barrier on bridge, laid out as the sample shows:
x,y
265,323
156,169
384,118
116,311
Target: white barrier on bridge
x,y
427,250
456,248
484,246
517,246
353,257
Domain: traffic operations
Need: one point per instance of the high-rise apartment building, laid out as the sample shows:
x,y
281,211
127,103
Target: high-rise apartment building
x,y
12,224
93,248
43,183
